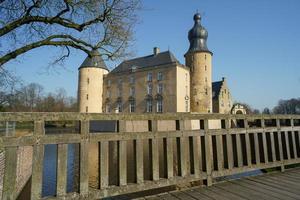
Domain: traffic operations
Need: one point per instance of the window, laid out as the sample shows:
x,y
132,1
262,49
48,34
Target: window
x,y
149,105
86,109
205,79
119,91
149,76
88,80
108,82
186,77
186,106
119,107
108,94
132,91
132,106
87,96
149,89
205,68
205,57
206,91
131,80
159,106
159,76
186,90
160,88
120,81
108,108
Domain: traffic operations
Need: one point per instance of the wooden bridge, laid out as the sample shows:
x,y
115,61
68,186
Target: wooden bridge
x,y
200,148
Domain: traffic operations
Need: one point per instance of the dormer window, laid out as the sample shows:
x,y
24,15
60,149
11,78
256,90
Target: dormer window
x,y
133,68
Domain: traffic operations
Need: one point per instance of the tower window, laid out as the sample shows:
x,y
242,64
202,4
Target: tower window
x,y
186,106
205,79
86,109
108,82
88,80
205,57
206,91
87,96
205,67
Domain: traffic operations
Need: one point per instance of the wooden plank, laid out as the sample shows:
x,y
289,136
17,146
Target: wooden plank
x,y
283,190
208,153
264,189
294,144
287,145
37,162
229,151
273,147
264,141
62,159
139,150
256,147
220,154
183,156
239,150
170,157
122,162
248,149
283,181
197,158
226,194
211,194
196,195
182,195
183,150
10,173
235,188
84,159
103,164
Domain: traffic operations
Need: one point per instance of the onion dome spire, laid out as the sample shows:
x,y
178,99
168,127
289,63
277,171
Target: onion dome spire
x,y
198,36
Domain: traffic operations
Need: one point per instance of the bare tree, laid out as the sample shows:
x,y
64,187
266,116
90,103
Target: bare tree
x,y
106,25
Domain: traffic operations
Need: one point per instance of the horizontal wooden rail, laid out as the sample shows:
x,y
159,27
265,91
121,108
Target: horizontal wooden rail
x,y
132,161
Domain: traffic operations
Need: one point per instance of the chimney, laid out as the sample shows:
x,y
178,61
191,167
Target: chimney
x,y
156,51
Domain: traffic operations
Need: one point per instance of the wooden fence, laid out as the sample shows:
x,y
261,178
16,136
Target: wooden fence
x,y
239,144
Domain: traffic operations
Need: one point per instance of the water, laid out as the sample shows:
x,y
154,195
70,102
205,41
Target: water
x,y
49,171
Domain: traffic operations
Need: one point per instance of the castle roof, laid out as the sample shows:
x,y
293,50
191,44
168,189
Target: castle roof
x,y
147,61
198,36
216,88
95,60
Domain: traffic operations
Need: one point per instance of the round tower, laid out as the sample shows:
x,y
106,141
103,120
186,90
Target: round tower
x,y
90,83
199,60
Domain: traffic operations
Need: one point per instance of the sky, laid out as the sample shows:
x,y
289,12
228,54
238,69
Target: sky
x,y
255,45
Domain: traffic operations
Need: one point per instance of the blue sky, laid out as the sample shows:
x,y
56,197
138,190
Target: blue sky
x,y
256,46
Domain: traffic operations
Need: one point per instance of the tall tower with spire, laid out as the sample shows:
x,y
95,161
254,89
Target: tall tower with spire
x,y
90,83
199,59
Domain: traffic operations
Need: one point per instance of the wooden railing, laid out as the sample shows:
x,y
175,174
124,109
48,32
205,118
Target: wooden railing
x,y
220,145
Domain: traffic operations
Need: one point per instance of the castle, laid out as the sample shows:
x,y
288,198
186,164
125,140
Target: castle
x,y
156,83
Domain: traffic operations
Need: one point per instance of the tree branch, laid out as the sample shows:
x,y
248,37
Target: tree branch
x,y
68,41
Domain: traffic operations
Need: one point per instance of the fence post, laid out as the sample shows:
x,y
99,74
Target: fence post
x,y
37,161
84,159
280,144
208,152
